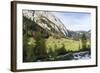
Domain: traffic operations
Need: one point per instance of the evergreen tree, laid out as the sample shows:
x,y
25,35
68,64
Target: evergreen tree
x,y
40,49
84,41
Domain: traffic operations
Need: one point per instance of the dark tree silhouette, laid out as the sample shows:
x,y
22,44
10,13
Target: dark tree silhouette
x,y
84,41
40,49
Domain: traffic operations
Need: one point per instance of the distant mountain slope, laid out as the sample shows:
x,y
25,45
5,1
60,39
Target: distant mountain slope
x,y
76,35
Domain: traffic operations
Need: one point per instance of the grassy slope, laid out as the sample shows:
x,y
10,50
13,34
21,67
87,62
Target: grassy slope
x,y
69,45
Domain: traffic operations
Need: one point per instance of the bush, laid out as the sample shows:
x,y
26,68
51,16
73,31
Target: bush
x,y
61,51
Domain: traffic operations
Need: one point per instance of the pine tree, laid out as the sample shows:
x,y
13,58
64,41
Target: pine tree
x,y
83,41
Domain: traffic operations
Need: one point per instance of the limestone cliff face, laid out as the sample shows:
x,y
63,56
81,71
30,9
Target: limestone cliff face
x,y
28,14
47,21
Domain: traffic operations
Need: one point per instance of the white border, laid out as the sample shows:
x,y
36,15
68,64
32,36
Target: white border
x,y
21,65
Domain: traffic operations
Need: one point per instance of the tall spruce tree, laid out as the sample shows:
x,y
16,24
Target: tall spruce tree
x,y
84,41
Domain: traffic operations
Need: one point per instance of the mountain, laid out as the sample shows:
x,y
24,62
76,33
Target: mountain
x,y
48,24
47,21
76,35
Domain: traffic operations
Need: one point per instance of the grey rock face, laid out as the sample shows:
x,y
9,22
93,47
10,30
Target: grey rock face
x,y
47,21
28,14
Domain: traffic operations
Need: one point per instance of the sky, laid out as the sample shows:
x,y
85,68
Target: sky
x,y
76,21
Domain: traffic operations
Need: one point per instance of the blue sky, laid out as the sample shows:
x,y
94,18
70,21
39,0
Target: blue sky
x,y
74,20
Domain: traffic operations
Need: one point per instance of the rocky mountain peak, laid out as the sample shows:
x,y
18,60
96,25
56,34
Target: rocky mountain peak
x,y
47,20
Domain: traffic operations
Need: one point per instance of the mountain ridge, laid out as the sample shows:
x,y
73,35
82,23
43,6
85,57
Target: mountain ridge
x,y
52,24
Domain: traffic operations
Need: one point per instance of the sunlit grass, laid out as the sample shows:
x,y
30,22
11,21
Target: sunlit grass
x,y
54,44
69,45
